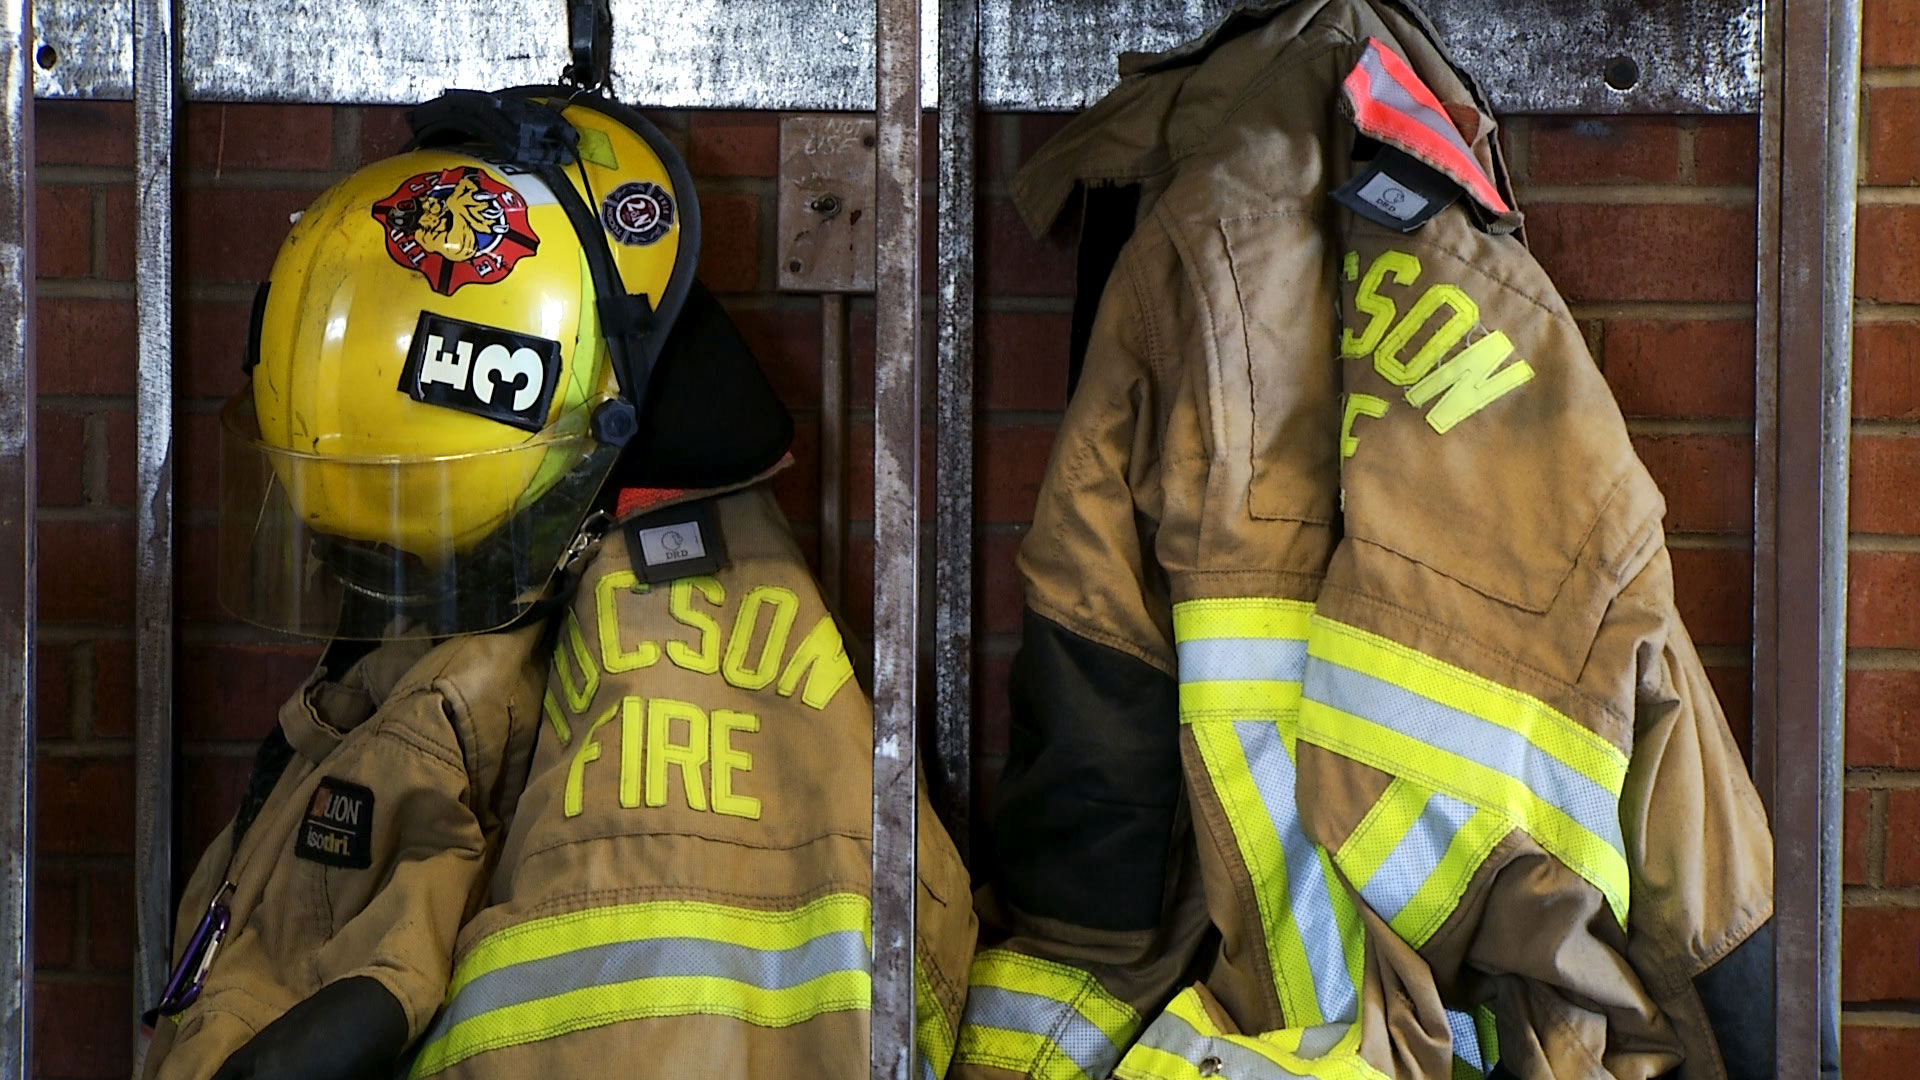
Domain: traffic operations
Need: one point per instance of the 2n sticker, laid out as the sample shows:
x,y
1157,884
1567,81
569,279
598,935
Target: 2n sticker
x,y
1457,388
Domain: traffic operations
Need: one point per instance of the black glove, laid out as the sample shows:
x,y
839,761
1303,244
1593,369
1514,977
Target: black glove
x,y
351,1029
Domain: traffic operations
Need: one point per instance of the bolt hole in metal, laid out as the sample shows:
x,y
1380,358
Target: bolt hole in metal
x,y
46,56
826,205
1622,73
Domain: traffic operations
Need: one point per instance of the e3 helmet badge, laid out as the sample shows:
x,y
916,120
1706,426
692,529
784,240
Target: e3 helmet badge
x,y
456,226
637,212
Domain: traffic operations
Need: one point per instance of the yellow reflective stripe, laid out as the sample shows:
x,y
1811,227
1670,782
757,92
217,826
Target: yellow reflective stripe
x,y
932,1038
1043,1019
1234,617
1022,1052
1183,1036
766,930
1380,831
1064,983
677,995
1239,699
1261,848
1456,688
1431,906
1590,856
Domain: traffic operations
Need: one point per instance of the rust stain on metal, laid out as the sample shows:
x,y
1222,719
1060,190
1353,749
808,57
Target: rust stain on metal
x,y
825,201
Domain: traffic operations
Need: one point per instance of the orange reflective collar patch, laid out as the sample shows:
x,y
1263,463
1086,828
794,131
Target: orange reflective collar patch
x,y
1391,104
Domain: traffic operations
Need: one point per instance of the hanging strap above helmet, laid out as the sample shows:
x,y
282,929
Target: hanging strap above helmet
x,y
524,132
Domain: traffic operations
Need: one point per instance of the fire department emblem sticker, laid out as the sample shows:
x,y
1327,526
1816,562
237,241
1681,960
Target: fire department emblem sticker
x,y
456,226
637,213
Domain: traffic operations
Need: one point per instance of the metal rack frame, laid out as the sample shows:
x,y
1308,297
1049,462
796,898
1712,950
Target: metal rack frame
x,y
1795,60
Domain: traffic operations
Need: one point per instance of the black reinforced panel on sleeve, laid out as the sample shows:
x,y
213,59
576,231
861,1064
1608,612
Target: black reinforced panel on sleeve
x,y
1084,813
1737,994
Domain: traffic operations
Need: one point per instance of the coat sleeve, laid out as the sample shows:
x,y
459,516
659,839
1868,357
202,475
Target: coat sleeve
x,y
1090,882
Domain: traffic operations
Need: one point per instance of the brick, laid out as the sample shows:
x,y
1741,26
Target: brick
x,y
1893,135
122,227
53,690
74,1036
1597,150
733,144
1726,150
60,457
1883,600
1023,360
1887,270
1856,808
233,235
85,806
213,346
123,457
785,339
1880,954
259,136
730,242
857,618
1013,263
235,691
213,786
197,597
1030,132
56,896
83,132
1879,1053
86,570
999,593
1713,588
84,346
1886,370
1665,252
1010,463
798,486
110,921
1890,34
1903,829
1881,485
1707,479
1883,718
1673,368
1734,687
992,708
63,231
113,689
196,460
383,131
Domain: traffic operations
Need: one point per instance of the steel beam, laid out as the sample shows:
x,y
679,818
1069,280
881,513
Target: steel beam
x,y
896,529
1809,132
155,104
953,436
1533,55
17,497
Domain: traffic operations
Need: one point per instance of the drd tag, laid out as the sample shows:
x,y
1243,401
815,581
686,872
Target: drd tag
x,y
1397,190
678,542
482,370
338,828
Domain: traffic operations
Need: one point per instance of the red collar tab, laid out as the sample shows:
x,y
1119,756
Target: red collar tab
x,y
638,500
1391,104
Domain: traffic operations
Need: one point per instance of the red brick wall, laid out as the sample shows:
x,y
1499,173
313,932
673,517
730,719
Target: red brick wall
x,y
1646,224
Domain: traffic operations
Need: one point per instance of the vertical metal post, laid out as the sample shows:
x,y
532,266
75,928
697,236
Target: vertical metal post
x,y
155,83
896,528
833,450
1805,316
17,497
953,438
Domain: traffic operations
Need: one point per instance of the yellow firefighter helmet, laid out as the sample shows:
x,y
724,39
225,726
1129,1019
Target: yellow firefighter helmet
x,y
446,360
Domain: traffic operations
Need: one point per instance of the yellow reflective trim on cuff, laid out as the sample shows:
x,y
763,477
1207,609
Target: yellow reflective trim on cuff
x,y
1021,1052
1063,983
932,1037
1238,699
1242,617
1559,735
1433,904
677,995
556,934
1593,858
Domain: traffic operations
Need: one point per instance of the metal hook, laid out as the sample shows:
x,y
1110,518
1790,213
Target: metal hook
x,y
590,34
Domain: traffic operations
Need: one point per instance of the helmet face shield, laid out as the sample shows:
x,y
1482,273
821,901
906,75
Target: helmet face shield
x,y
384,547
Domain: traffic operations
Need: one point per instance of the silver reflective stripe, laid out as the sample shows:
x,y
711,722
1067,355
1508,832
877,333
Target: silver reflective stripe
x,y
1503,750
1466,1039
1318,1040
1174,1035
625,961
1211,659
1055,1021
1307,882
1387,91
1416,856
926,1069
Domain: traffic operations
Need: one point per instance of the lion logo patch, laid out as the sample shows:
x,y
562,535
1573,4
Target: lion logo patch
x,y
456,226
